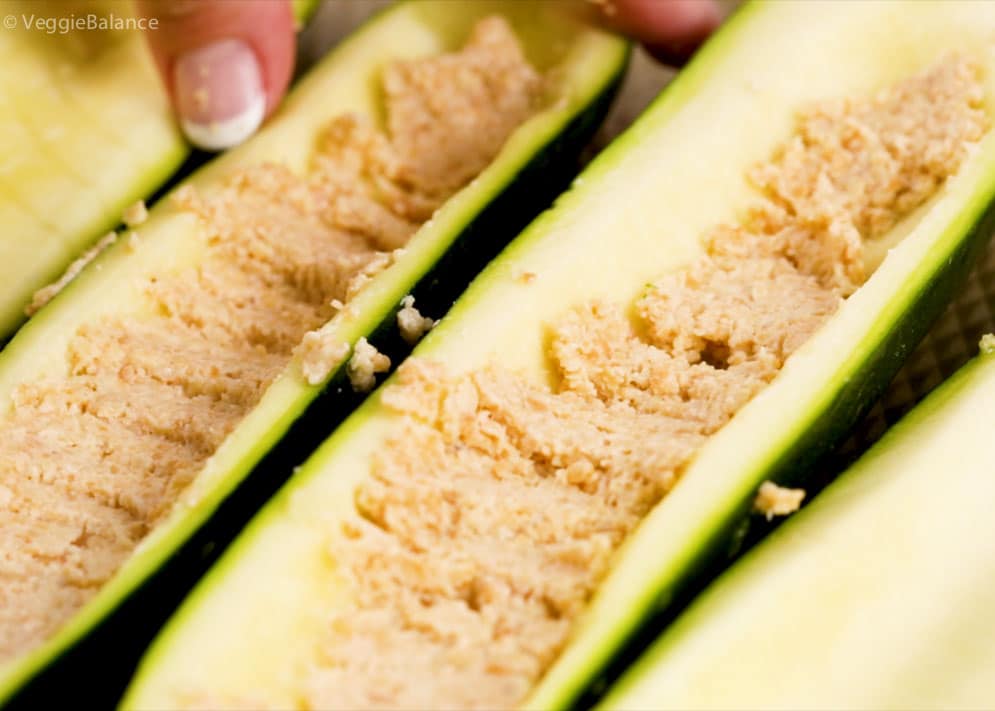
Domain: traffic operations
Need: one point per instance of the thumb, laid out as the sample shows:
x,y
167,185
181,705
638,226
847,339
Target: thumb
x,y
226,64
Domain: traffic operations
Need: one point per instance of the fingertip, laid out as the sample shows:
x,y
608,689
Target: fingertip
x,y
226,133
276,46
671,29
226,64
219,94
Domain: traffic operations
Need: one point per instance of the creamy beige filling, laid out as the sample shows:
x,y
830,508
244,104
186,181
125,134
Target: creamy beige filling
x,y
773,500
492,513
92,460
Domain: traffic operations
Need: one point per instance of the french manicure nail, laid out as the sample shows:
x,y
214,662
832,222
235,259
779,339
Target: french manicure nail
x,y
219,94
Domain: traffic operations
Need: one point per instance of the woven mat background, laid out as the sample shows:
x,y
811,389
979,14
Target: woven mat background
x,y
952,340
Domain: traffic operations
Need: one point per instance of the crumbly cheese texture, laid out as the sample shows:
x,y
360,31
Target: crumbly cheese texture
x,y
135,214
93,458
410,322
320,353
48,292
491,514
773,500
365,364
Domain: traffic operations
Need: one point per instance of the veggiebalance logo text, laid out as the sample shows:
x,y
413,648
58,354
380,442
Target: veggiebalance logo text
x,y
91,21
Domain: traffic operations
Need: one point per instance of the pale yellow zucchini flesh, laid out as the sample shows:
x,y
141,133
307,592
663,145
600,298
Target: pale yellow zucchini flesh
x,y
85,130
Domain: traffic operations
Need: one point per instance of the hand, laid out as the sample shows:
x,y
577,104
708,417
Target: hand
x,y
669,29
227,63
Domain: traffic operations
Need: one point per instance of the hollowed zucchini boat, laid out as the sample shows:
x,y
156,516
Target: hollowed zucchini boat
x,y
877,595
254,628
86,130
101,641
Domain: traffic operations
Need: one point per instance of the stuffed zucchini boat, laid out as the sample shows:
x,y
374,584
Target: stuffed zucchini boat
x,y
87,131
193,349
878,595
717,298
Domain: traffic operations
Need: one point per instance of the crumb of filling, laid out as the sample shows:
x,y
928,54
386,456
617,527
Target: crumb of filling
x,y
49,292
411,323
319,354
491,514
364,365
93,458
135,214
773,500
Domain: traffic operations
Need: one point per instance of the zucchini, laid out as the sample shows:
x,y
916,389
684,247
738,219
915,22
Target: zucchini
x,y
877,595
101,641
87,130
249,632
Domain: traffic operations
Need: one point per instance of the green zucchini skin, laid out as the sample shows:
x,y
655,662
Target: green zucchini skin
x,y
877,501
798,464
102,662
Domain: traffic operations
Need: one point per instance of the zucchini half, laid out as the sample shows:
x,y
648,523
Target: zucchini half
x,y
293,417
635,213
86,129
879,595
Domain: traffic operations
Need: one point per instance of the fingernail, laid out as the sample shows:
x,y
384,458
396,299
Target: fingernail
x,y
219,94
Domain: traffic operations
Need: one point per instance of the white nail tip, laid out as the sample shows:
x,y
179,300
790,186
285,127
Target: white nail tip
x,y
219,135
